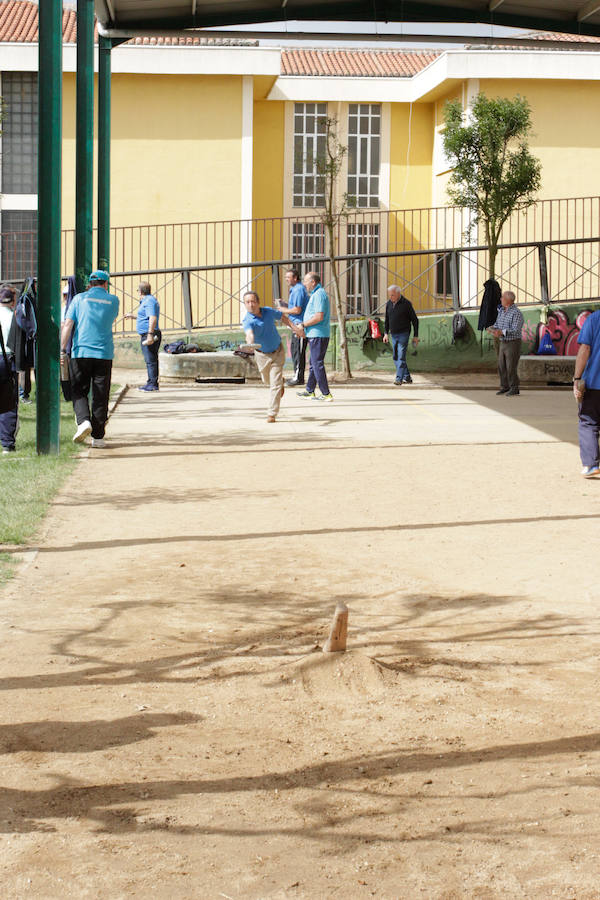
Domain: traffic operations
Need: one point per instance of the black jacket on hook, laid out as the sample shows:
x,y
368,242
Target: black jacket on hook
x,y
488,311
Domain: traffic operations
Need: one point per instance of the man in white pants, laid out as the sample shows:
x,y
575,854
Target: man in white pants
x,y
260,328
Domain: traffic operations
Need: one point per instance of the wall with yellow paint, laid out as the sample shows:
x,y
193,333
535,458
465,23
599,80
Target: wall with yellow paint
x,y
267,188
410,189
176,149
566,132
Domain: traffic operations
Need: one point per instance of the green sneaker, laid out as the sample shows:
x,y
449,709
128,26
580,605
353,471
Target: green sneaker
x,y
327,398
308,395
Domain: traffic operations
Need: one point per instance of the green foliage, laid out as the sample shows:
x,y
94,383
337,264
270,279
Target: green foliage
x,y
493,172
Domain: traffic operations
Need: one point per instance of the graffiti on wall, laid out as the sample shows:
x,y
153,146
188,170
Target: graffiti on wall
x,y
563,334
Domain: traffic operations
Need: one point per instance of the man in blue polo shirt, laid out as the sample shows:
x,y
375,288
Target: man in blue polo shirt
x,y
150,337
316,323
259,324
586,387
296,305
89,319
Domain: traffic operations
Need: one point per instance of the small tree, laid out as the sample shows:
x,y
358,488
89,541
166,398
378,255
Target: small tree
x,y
328,163
493,172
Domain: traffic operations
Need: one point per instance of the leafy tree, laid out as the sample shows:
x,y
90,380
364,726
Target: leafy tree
x,y
493,172
328,163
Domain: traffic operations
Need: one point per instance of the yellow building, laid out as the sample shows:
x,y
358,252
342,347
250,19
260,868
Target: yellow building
x,y
223,133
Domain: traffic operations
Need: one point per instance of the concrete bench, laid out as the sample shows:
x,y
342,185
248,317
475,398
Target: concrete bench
x,y
220,364
547,369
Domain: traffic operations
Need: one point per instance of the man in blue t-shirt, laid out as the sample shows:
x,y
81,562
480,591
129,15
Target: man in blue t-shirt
x,y
296,305
150,337
316,325
89,319
586,387
259,324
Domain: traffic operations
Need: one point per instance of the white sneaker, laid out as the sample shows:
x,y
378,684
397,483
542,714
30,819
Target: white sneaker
x,y
82,432
99,443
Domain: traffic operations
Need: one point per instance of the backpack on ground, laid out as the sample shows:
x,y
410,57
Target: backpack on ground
x,y
459,327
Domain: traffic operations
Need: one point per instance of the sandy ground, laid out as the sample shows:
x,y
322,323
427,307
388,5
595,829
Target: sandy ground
x,y
169,726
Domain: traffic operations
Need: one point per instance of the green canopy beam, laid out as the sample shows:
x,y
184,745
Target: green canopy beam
x,y
49,222
84,135
104,86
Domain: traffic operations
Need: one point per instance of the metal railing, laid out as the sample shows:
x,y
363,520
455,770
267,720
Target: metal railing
x,y
222,257
196,297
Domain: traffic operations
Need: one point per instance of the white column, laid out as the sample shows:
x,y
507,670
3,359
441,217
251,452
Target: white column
x,y
246,184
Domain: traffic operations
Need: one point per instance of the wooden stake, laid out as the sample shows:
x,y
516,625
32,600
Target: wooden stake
x,y
338,633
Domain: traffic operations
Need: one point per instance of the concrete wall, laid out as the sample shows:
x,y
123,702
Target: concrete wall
x,y
436,351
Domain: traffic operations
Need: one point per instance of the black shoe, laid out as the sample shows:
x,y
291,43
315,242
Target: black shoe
x,y
293,382
513,393
502,391
407,381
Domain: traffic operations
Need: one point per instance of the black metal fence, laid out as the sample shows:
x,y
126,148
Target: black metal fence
x,y
195,297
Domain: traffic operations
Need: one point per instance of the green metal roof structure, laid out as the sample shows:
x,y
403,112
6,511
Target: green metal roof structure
x,y
572,16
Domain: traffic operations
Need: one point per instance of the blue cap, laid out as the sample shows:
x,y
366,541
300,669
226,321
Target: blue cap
x,y
99,275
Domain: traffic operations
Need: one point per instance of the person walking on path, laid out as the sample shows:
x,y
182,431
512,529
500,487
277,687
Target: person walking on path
x,y
317,328
89,319
9,420
586,388
508,328
297,302
399,316
147,316
259,325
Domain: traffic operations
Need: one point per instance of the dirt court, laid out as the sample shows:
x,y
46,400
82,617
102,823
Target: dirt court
x,y
169,725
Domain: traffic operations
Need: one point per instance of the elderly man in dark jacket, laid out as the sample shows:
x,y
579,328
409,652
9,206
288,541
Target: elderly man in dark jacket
x,y
399,317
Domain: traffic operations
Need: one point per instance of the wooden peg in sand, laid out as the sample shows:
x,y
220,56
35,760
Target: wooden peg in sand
x,y
338,633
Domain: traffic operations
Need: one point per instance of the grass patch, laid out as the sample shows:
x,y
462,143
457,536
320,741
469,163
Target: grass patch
x,y
7,567
30,482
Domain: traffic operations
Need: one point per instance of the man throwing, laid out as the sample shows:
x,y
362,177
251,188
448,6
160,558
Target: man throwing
x,y
586,387
507,328
316,327
260,328
399,316
89,319
296,305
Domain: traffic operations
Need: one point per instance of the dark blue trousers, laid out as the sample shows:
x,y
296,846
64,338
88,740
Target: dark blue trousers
x,y
9,420
317,374
151,358
589,425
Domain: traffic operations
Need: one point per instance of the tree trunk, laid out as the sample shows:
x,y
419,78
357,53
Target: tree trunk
x,y
493,251
338,306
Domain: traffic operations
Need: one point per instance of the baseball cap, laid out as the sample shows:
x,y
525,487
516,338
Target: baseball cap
x,y
7,295
99,275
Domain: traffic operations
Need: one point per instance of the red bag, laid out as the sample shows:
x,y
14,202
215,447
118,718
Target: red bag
x,y
375,329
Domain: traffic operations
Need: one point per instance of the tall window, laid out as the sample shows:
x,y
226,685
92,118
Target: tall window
x,y
19,133
310,126
362,239
364,144
308,241
18,244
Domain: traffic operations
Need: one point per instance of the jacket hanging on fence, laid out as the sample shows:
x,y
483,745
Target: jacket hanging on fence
x,y
26,327
488,311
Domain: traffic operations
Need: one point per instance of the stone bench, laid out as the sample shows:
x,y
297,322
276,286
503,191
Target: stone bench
x,y
221,364
547,369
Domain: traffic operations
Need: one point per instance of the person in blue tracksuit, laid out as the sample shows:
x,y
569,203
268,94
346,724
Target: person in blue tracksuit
x,y
90,319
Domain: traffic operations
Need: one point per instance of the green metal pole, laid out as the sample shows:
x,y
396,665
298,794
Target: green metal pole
x,y
104,153
49,221
84,134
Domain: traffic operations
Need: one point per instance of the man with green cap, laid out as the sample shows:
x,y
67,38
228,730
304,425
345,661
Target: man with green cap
x,y
90,319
